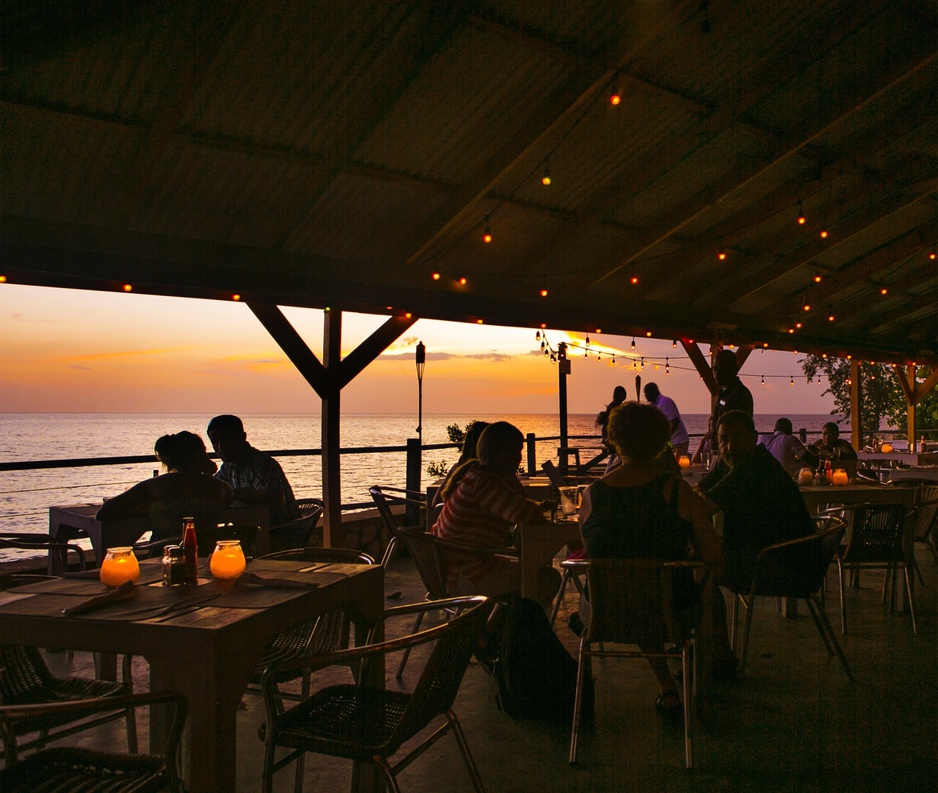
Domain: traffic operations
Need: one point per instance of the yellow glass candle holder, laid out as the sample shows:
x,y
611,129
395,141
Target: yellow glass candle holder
x,y
227,560
806,476
119,565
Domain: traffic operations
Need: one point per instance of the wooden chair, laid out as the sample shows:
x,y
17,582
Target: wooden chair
x,y
64,769
431,557
876,541
370,724
773,577
304,643
25,679
631,604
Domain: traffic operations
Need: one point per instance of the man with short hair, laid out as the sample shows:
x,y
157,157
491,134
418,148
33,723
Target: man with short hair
x,y
732,394
255,476
679,438
761,504
786,448
832,447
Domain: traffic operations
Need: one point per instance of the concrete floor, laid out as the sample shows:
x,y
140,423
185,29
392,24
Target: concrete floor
x,y
794,723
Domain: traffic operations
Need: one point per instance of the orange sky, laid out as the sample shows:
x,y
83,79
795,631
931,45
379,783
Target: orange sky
x,y
80,351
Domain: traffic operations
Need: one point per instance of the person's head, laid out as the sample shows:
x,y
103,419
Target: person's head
x,y
830,432
783,426
227,436
736,436
725,367
651,392
638,431
470,442
499,447
184,451
618,395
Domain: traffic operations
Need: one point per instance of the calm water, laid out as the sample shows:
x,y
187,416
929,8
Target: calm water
x,y
25,496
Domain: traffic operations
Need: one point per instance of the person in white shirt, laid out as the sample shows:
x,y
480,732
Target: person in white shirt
x,y
787,449
679,438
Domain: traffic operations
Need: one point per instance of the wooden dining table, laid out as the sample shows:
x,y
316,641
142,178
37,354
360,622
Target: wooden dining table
x,y
205,648
817,497
68,521
539,543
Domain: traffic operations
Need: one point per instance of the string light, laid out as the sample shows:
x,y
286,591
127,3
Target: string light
x,y
462,280
633,279
763,380
128,287
801,218
537,336
543,293
545,179
830,315
587,340
791,381
798,325
823,234
721,253
633,342
648,333
817,276
3,278
236,297
673,344
480,321
615,97
667,367
487,232
806,305
435,276
884,291
934,252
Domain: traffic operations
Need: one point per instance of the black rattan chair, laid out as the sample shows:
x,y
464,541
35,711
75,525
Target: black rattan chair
x,y
368,724
383,503
773,577
431,556
307,641
64,769
877,541
25,679
631,604
46,544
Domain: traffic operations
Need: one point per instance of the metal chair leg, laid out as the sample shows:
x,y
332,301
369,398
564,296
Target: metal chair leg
x,y
821,618
464,750
564,579
578,700
735,621
750,603
908,592
400,669
843,606
687,680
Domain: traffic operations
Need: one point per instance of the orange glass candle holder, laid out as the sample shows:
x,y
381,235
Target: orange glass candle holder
x,y
227,560
119,566
839,477
886,448
683,461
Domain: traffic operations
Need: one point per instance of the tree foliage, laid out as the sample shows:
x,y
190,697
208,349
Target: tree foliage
x,y
881,397
456,434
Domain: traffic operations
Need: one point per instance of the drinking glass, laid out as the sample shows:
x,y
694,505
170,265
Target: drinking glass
x,y
568,500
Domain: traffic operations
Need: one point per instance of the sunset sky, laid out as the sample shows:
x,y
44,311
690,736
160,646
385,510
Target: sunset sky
x,y
81,352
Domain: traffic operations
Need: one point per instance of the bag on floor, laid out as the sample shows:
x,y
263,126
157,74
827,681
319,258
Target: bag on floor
x,y
536,675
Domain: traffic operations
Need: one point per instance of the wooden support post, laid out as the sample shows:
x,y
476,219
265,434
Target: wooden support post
x,y
856,429
331,420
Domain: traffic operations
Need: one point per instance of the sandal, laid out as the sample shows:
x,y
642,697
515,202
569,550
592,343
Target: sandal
x,y
669,707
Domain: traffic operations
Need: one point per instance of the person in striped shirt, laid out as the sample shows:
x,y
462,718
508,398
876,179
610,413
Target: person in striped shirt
x,y
482,499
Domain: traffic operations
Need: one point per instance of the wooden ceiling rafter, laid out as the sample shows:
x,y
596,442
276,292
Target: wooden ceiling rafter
x,y
693,208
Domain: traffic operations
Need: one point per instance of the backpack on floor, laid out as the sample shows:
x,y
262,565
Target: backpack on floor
x,y
536,675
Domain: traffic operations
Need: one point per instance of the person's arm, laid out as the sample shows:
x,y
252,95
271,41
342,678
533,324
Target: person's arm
x,y
696,511
135,501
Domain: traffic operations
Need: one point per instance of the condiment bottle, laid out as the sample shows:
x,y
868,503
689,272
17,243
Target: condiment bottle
x,y
828,472
921,446
174,566
191,548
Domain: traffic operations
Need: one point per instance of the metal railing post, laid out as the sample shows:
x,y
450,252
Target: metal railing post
x,y
531,443
412,485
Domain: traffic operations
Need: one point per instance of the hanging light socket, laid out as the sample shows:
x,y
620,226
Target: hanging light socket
x,y
486,232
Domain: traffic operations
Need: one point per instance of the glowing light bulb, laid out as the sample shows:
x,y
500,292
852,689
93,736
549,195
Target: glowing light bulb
x,y
487,232
435,276
128,288
884,291
545,179
633,343
721,255
817,277
633,280
823,234
462,281
236,297
801,218
543,293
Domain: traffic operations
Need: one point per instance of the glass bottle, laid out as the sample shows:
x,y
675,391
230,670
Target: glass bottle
x,y
191,550
174,566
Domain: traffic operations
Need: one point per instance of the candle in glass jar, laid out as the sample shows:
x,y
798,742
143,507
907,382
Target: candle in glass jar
x,y
119,565
839,477
683,461
806,476
227,560
886,448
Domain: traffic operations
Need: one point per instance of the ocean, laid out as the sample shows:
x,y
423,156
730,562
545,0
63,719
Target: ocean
x,y
25,496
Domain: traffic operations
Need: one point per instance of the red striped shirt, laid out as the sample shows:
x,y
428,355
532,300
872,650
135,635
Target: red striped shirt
x,y
479,514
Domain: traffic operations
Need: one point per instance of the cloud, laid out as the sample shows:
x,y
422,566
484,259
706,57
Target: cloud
x,y
104,356
16,316
494,357
80,367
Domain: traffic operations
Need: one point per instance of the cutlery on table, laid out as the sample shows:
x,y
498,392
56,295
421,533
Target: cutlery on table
x,y
97,601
